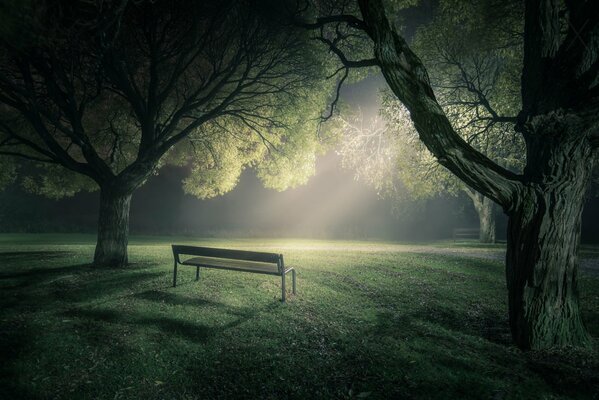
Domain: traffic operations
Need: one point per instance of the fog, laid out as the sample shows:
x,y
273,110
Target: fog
x,y
331,205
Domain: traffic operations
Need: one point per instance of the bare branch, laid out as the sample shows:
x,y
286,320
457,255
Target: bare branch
x,y
333,105
27,157
350,20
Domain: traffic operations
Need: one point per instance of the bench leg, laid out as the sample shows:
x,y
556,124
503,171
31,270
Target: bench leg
x,y
197,273
283,291
175,275
293,280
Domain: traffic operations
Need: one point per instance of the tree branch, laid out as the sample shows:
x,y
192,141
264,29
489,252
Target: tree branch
x,y
27,157
350,20
483,101
371,62
337,95
541,43
409,80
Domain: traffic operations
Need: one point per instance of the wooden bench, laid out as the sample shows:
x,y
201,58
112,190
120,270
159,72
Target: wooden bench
x,y
465,233
233,260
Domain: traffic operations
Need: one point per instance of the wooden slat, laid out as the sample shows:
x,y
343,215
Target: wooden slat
x,y
231,264
227,253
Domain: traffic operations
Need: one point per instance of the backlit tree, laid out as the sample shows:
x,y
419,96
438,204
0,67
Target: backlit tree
x,y
558,119
113,90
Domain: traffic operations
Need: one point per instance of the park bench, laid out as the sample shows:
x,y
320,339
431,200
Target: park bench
x,y
465,233
233,260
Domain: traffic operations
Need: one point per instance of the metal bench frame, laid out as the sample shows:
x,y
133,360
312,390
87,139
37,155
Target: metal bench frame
x,y
240,255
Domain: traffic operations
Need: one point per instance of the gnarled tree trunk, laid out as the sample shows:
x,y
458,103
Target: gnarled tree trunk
x,y
485,209
113,227
543,239
560,126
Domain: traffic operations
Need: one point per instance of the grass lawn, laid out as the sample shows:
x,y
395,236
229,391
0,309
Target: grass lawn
x,y
371,320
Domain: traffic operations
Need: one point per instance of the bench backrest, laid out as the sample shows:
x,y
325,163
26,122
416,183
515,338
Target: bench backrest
x,y
227,253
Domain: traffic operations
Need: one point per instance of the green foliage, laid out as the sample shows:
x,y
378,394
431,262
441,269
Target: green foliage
x,y
293,160
389,156
290,165
472,51
283,151
55,182
218,160
224,88
381,321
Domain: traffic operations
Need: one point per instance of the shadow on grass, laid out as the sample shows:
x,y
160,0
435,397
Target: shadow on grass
x,y
193,332
35,259
196,333
441,340
571,373
73,286
15,339
27,292
40,276
174,299
39,254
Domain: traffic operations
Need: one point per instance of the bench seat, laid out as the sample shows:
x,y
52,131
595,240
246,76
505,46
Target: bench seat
x,y
236,265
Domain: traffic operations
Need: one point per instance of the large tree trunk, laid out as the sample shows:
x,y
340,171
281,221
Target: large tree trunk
x,y
485,208
113,227
486,217
560,125
543,239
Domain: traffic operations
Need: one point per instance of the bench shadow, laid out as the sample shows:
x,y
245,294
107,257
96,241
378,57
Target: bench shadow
x,y
173,299
193,332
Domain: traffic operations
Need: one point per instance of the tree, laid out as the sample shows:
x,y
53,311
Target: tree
x,y
387,155
559,123
472,61
108,89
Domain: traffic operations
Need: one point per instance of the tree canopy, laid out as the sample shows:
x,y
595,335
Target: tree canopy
x,y
557,120
107,90
473,61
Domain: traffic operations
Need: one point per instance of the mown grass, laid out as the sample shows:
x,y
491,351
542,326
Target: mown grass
x,y
371,320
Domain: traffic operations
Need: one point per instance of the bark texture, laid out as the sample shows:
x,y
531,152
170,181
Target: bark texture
x,y
543,240
113,227
560,124
485,208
